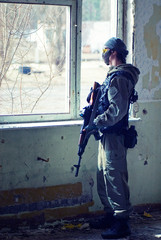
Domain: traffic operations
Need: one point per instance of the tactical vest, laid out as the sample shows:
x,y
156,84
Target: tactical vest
x,y
104,103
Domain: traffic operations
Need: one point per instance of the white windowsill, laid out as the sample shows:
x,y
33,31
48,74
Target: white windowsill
x,y
40,124
47,124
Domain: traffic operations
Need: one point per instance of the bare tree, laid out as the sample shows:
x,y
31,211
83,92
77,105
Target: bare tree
x,y
29,34
54,19
12,26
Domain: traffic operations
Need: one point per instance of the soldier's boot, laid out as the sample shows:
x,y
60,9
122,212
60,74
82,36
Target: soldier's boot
x,y
119,229
102,222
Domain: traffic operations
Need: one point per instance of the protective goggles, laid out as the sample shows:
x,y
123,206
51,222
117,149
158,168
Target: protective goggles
x,y
105,50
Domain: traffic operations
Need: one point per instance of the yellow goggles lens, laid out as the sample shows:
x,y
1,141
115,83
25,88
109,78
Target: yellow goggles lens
x,y
105,50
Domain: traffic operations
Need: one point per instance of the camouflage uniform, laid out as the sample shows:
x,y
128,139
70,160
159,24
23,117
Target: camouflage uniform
x,y
112,174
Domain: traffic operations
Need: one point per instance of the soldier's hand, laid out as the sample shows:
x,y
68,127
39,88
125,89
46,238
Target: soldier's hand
x,y
91,127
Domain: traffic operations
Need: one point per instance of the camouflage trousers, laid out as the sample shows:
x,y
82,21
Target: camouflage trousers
x,y
112,175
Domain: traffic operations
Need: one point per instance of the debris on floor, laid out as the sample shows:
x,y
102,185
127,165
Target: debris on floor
x,y
146,226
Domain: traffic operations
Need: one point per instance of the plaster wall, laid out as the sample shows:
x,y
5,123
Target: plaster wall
x,y
146,163
30,186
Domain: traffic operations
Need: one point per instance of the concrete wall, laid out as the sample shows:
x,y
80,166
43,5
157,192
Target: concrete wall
x,y
147,57
32,187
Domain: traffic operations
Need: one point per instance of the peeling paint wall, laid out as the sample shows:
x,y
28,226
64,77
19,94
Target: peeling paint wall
x,y
37,173
31,186
145,160
148,48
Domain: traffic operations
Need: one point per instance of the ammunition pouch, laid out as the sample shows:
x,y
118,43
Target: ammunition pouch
x,y
130,137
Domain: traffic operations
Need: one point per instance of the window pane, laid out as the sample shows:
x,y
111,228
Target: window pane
x,y
98,25
33,59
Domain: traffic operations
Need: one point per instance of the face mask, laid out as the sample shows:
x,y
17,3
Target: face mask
x,y
106,54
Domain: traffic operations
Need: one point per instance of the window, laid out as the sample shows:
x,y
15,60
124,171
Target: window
x,y
50,55
99,19
38,49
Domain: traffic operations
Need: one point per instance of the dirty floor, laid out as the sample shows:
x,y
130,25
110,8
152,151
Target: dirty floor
x,y
145,226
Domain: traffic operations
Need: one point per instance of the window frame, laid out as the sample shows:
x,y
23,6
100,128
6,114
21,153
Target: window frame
x,y
75,60
74,65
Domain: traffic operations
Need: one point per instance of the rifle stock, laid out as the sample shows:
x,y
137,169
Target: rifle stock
x,y
88,116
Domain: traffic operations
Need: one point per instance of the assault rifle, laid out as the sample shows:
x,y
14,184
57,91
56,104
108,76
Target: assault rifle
x,y
88,114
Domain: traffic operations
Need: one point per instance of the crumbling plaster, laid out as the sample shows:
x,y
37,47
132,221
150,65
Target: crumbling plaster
x,y
148,48
147,57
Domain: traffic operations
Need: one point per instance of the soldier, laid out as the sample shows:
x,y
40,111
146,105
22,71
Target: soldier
x,y
112,120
